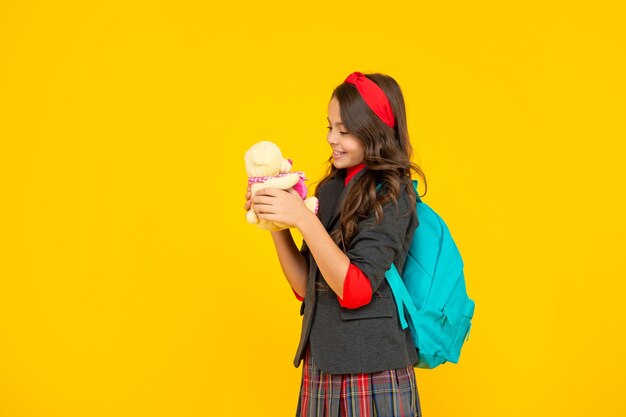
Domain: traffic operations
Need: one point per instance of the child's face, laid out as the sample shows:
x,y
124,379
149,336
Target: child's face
x,y
348,150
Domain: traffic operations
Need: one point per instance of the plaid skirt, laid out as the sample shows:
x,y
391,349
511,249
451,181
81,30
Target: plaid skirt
x,y
391,393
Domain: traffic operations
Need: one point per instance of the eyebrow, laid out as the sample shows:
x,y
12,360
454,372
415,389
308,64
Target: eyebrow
x,y
336,124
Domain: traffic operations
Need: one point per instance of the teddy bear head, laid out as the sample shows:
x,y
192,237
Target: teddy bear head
x,y
265,159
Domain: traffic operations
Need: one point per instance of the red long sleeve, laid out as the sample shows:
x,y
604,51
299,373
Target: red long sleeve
x,y
357,289
297,295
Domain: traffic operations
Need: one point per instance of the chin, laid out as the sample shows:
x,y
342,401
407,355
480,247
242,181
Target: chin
x,y
343,164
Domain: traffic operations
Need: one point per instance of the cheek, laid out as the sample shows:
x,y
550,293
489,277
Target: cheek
x,y
357,149
354,147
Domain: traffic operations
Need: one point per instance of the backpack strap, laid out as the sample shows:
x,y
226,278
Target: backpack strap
x,y
401,295
419,200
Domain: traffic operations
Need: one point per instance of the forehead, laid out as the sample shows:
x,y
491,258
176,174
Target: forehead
x,y
336,123
333,112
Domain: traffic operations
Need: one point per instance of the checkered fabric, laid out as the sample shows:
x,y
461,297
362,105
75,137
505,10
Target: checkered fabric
x,y
391,393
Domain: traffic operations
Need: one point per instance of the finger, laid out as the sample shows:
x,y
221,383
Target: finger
x,y
263,199
294,192
263,209
247,205
267,216
268,191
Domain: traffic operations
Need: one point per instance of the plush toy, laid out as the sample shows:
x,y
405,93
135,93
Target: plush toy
x,y
267,168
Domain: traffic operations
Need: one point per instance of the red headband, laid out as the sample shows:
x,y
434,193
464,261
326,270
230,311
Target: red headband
x,y
374,96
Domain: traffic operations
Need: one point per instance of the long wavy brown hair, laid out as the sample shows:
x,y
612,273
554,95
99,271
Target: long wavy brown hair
x,y
387,157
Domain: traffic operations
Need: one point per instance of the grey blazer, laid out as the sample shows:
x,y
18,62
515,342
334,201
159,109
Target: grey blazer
x,y
368,338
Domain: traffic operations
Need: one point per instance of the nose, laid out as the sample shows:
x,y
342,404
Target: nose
x,y
332,138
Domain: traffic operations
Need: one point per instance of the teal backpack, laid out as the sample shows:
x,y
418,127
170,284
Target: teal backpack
x,y
431,296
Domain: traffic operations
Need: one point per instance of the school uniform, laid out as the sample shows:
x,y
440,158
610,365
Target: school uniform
x,y
358,361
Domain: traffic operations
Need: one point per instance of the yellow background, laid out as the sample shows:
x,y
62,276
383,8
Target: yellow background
x,y
130,283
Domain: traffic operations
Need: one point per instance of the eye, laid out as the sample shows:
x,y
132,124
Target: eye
x,y
340,132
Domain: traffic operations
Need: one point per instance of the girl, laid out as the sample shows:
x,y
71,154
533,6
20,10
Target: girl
x,y
357,359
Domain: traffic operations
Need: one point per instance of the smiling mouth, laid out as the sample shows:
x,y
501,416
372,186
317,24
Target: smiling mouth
x,y
337,154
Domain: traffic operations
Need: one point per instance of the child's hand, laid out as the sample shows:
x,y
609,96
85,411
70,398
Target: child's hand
x,y
281,206
246,206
